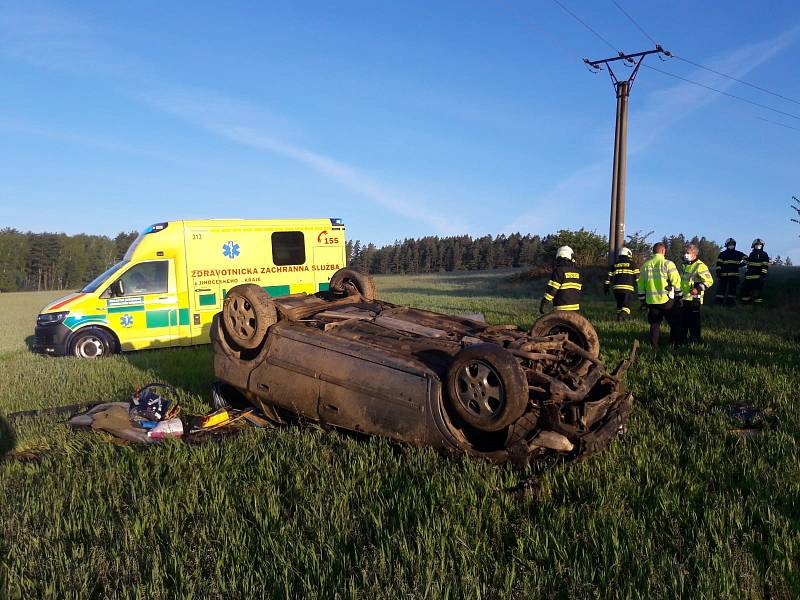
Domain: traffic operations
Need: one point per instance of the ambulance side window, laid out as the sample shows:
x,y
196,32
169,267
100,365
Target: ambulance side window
x,y
146,278
288,248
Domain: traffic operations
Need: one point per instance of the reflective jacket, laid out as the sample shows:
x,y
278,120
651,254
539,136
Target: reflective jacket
x,y
695,275
757,265
564,287
659,281
622,276
729,262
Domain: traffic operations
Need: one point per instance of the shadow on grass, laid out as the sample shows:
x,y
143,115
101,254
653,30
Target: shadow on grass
x,y
190,368
8,439
29,341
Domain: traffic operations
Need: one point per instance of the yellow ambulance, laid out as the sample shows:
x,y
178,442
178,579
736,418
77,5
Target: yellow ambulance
x,y
174,278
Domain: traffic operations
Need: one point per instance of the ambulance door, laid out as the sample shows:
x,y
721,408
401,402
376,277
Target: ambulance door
x,y
206,302
328,258
142,305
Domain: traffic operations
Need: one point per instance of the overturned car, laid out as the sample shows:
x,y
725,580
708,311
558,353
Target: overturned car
x,y
344,358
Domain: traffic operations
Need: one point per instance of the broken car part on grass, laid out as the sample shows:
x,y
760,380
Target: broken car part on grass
x,y
343,358
152,415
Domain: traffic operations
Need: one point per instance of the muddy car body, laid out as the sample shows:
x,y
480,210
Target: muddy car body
x,y
346,359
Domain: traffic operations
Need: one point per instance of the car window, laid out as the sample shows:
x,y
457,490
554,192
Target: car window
x,y
288,248
146,278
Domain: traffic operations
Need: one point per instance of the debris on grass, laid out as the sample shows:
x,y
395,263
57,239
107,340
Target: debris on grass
x,y
749,421
149,417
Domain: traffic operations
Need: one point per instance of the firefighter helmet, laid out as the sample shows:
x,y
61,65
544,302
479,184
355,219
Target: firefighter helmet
x,y
564,252
758,242
730,241
626,252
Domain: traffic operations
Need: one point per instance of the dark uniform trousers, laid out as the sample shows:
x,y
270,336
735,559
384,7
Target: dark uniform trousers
x,y
726,287
656,313
624,300
752,290
690,322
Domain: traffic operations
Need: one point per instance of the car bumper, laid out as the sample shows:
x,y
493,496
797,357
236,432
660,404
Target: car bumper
x,y
51,339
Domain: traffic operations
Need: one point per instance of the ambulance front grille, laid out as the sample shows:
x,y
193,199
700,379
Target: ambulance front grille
x,y
43,340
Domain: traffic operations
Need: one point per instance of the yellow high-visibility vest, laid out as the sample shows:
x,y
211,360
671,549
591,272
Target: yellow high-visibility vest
x,y
695,274
658,281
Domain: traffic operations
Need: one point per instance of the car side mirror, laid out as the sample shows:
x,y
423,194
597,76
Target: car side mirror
x,y
117,288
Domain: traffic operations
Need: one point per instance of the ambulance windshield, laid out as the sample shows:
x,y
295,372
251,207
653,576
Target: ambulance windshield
x,y
100,279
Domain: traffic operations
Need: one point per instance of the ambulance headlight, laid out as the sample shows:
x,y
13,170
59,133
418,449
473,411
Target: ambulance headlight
x,y
51,318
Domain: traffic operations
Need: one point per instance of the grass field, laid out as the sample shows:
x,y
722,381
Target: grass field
x,y
679,507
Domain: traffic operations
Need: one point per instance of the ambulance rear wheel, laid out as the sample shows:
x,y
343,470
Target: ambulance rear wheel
x,y
350,281
247,313
92,343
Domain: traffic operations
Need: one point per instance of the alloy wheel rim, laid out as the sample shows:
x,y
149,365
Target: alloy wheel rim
x,y
242,318
479,390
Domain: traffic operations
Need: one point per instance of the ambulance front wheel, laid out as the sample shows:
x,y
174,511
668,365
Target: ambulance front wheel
x,y
92,343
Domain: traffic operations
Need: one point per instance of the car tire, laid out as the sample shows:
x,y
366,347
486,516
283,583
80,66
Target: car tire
x,y
91,343
219,339
247,313
348,281
487,387
579,330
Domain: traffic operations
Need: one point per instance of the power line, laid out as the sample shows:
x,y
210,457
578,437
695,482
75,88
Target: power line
x,y
779,124
632,20
698,65
748,84
701,66
728,94
585,24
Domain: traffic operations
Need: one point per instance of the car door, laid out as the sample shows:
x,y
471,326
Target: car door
x,y
142,305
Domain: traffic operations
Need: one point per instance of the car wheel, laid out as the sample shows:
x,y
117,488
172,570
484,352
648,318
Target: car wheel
x,y
579,331
91,343
487,387
349,281
247,313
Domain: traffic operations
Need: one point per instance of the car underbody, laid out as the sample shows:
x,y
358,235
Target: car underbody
x,y
457,384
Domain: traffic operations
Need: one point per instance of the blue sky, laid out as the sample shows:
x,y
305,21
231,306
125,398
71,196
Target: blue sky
x,y
405,119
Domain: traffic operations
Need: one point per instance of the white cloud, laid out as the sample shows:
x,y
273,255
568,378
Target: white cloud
x,y
251,126
664,108
38,34
17,126
577,194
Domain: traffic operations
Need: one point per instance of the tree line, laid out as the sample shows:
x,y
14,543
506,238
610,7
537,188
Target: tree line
x,y
46,261
56,261
432,253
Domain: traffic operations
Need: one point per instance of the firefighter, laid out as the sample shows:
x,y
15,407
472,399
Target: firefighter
x,y
756,273
659,289
695,280
564,288
622,279
729,262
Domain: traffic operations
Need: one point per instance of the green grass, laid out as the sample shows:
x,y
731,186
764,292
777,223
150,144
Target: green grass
x,y
679,507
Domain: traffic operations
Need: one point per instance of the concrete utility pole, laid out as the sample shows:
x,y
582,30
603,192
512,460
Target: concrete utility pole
x,y
616,237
